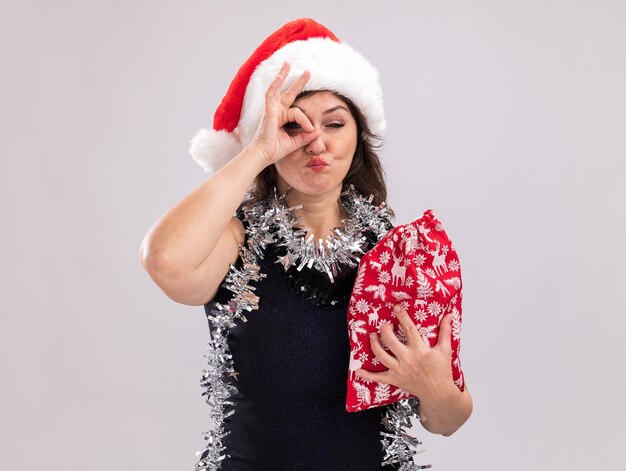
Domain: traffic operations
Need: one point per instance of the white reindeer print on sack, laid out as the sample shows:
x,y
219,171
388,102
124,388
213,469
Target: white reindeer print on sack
x,y
355,363
398,271
419,302
372,317
440,287
439,259
376,265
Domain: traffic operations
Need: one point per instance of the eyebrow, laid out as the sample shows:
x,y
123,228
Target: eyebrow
x,y
328,111
335,108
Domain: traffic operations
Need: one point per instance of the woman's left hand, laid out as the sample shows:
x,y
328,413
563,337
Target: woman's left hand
x,y
415,367
424,372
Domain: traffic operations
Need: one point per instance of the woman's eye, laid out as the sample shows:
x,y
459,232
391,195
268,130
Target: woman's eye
x,y
335,125
291,126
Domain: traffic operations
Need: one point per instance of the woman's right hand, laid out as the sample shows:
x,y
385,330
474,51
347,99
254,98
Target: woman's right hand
x,y
271,141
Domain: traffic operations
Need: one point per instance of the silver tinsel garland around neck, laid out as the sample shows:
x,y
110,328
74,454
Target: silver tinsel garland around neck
x,y
276,222
273,222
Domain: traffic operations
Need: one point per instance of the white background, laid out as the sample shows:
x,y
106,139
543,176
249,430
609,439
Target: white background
x,y
507,118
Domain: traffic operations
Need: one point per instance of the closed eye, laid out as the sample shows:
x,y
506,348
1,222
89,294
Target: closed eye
x,y
336,125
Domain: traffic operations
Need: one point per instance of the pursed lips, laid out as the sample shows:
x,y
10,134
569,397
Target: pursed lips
x,y
316,163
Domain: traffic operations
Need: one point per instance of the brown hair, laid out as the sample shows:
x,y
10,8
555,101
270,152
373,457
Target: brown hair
x,y
366,172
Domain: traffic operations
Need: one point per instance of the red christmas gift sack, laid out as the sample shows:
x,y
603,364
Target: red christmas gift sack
x,y
414,265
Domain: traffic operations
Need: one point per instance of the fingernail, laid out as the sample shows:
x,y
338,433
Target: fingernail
x,y
396,308
372,335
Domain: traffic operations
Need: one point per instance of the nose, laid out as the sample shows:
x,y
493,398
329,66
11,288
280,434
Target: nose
x,y
316,146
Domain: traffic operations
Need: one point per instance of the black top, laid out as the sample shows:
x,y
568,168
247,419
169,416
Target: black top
x,y
292,357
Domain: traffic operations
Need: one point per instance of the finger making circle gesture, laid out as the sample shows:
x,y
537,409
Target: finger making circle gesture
x,y
271,140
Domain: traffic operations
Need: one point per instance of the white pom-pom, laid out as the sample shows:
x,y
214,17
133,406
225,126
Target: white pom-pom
x,y
213,149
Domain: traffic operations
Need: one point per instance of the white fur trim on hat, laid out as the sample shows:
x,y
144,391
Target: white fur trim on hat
x,y
213,149
334,66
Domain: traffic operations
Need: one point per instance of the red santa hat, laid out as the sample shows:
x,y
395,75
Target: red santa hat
x,y
306,45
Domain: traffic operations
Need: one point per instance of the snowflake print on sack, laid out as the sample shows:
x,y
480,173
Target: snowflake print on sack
x,y
384,258
453,265
419,260
434,309
362,306
384,277
414,265
420,316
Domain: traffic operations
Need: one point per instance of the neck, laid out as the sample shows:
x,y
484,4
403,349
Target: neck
x,y
320,213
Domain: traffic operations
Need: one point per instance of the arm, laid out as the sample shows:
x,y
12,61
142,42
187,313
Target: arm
x,y
174,249
424,372
188,250
445,415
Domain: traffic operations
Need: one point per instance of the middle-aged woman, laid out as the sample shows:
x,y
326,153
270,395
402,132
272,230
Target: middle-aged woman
x,y
293,154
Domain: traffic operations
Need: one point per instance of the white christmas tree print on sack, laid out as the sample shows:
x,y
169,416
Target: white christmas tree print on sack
x,y
417,266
